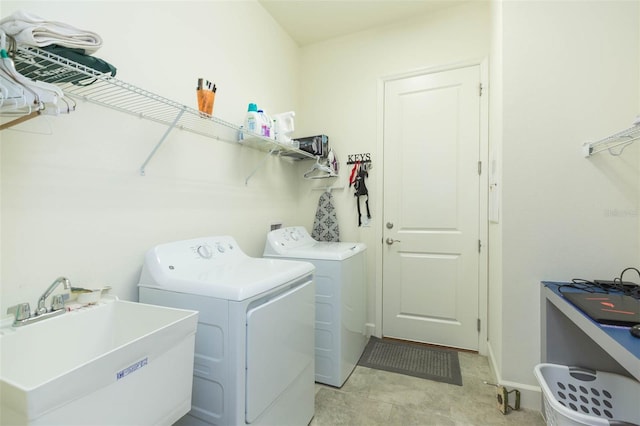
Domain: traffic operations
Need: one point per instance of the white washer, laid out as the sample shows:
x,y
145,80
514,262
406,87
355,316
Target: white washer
x,y
340,330
254,361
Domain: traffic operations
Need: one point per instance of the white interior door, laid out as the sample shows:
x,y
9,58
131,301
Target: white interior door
x,y
432,208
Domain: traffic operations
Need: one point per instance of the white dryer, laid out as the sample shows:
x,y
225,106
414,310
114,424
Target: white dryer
x,y
340,277
254,350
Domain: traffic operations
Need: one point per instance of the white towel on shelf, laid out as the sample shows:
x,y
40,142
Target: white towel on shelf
x,y
32,30
325,225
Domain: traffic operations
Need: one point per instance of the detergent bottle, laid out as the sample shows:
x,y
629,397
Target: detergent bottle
x,y
265,123
253,121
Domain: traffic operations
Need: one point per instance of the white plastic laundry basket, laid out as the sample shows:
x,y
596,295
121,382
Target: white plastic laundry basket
x,y
578,396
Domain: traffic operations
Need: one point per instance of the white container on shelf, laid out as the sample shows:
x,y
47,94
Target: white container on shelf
x,y
283,126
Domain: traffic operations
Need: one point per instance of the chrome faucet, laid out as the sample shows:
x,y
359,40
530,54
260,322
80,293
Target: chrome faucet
x,y
22,312
42,309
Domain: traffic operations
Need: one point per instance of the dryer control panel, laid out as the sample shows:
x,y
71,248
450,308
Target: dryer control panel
x,y
209,249
197,251
289,238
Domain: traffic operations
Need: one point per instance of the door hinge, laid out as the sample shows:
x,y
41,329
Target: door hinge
x,y
479,89
478,323
479,246
479,167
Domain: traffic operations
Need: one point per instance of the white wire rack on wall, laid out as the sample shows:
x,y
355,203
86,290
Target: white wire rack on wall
x,y
615,143
81,82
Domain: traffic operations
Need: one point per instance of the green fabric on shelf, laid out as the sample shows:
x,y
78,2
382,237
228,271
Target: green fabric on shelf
x,y
41,70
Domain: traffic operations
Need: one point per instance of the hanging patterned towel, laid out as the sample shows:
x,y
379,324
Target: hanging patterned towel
x,y
325,225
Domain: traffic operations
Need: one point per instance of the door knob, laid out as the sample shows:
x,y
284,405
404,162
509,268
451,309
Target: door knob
x,y
391,241
389,225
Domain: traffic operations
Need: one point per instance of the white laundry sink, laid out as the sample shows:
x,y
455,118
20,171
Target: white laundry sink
x,y
115,363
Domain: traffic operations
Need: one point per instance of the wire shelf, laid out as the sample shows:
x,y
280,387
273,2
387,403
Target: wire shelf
x,y
615,143
81,82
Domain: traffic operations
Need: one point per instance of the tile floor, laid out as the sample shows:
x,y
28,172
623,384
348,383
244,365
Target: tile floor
x,y
374,397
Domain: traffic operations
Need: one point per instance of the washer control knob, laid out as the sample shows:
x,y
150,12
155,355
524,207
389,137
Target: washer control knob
x,y
294,236
204,252
220,247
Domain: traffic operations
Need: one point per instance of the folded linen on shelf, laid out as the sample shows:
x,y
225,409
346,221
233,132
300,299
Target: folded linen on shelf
x,y
32,30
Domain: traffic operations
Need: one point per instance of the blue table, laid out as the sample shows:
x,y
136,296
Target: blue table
x,y
570,337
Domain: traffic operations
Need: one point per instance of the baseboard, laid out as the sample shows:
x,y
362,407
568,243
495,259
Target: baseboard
x,y
530,396
370,329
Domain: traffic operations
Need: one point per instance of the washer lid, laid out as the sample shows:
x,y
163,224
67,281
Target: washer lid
x,y
222,270
295,241
319,250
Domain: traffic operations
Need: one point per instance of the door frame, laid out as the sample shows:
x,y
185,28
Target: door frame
x,y
484,191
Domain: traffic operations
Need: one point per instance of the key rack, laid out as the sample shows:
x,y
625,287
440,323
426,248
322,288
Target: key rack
x,y
618,140
81,82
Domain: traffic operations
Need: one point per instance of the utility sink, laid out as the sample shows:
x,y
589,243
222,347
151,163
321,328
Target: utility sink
x,y
115,363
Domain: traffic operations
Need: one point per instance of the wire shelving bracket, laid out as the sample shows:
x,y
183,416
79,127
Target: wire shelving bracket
x,y
615,143
259,166
155,149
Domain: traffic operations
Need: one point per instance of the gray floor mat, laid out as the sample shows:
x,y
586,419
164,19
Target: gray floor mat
x,y
412,359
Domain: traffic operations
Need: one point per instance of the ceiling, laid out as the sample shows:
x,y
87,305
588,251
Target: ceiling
x,y
312,21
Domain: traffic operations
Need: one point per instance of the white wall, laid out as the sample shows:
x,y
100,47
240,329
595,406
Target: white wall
x,y
569,75
72,200
341,99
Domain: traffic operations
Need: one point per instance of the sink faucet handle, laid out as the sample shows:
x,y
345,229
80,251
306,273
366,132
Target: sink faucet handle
x,y
21,311
57,302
